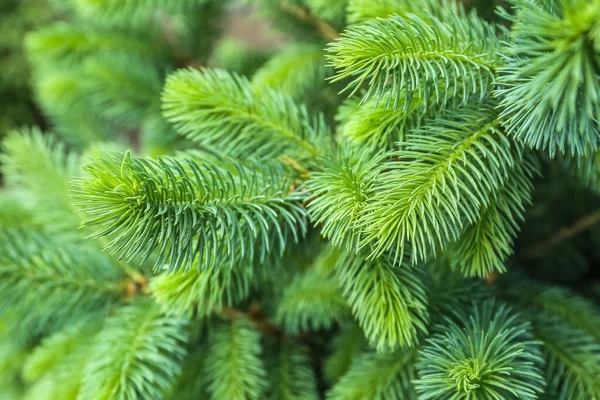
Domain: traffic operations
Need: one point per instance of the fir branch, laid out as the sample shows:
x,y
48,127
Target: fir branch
x,y
389,303
340,191
485,246
48,283
405,57
189,211
137,355
293,376
442,178
222,109
384,376
234,369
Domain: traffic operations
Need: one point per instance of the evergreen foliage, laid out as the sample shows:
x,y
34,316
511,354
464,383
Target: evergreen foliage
x,y
395,200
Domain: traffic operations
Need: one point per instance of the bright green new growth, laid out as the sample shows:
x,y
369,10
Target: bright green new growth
x,y
394,200
389,303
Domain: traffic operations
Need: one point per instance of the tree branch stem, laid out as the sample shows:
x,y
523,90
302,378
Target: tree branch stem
x,y
565,233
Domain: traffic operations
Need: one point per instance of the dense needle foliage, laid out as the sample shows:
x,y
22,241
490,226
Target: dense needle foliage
x,y
392,199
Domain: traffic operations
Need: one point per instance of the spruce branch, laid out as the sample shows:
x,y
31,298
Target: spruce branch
x,y
49,283
550,85
234,368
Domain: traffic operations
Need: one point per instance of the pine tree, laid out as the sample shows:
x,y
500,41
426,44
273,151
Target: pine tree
x,y
398,202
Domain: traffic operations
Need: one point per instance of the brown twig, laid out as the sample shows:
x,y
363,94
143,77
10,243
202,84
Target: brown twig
x,y
255,316
303,14
565,233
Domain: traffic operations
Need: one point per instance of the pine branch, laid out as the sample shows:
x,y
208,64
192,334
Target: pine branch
x,y
137,355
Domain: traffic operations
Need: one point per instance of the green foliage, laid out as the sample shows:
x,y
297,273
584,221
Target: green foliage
x,y
119,11
37,169
489,354
456,163
234,369
215,107
293,375
365,10
294,71
340,191
572,359
48,283
286,243
485,246
389,303
137,355
380,376
398,58
313,300
217,214
550,83
202,292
